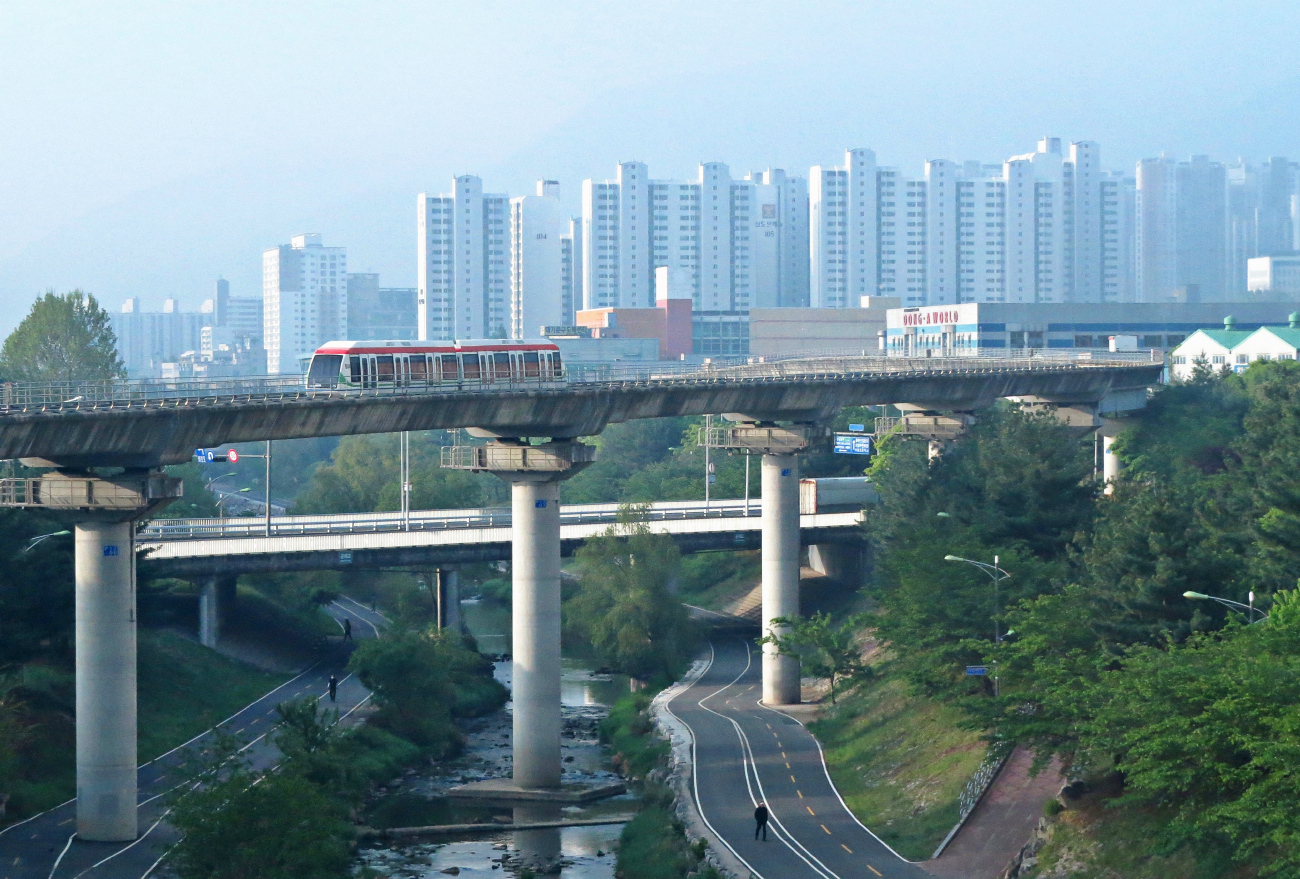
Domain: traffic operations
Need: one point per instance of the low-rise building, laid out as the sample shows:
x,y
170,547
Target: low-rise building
x,y
779,332
1274,276
1211,347
996,327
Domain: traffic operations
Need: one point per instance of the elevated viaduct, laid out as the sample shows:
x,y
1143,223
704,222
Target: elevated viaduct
x,y
774,409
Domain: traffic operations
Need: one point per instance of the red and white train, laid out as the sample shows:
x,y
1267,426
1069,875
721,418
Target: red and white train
x,y
390,364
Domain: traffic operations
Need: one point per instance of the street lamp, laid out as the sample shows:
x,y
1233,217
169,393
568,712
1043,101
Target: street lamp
x,y
1250,609
35,541
225,497
998,576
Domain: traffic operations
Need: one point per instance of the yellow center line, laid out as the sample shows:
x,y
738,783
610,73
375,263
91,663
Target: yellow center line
x,y
792,781
828,833
810,811
874,870
783,756
846,848
787,766
799,792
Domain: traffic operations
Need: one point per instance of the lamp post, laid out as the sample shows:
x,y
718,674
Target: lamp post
x,y
1250,609
225,497
38,539
998,575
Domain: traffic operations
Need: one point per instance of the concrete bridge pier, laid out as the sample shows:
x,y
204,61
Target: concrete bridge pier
x,y
209,612
780,573
448,580
779,447
103,512
534,474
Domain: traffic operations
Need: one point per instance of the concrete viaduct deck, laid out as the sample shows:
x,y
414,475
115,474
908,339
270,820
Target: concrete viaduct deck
x,y
147,424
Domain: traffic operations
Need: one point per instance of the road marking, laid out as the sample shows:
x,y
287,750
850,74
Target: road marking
x,y
800,793
787,766
810,811
240,730
828,833
792,781
783,756
846,848
874,870
769,726
61,823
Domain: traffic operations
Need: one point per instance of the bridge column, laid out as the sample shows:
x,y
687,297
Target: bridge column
x,y
534,474
103,511
780,573
780,480
449,599
209,612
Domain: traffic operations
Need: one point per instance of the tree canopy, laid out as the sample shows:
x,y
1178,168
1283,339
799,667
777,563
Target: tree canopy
x,y
63,338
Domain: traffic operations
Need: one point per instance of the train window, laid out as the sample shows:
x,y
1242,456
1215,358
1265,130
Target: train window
x,y
469,367
355,368
555,363
449,370
501,365
418,371
384,367
324,371
532,368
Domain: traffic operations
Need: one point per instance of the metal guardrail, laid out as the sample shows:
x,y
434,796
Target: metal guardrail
x,y
428,520
25,397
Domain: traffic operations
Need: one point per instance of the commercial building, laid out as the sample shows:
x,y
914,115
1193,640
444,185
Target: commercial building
x,y
984,328
669,323
304,291
463,265
376,312
787,332
1274,276
541,262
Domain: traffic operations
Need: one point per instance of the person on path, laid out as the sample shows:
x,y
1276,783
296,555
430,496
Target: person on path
x,y
334,688
760,820
347,630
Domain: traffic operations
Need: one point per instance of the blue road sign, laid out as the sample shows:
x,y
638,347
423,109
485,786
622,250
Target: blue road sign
x,y
977,669
857,428
854,444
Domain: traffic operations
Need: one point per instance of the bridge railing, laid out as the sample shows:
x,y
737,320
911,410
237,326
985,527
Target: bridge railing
x,y
75,395
428,520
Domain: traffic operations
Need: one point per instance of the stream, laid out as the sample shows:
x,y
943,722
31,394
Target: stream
x,y
420,799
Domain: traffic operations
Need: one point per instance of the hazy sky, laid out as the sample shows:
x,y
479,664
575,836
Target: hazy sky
x,y
146,148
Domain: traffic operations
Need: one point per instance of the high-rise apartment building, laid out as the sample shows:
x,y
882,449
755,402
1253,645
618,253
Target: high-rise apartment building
x,y
1118,242
304,291
780,240
571,271
376,312
147,339
1156,235
981,207
843,231
463,265
942,248
1200,224
538,275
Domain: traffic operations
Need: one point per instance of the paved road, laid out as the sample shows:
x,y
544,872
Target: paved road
x,y
744,753
44,847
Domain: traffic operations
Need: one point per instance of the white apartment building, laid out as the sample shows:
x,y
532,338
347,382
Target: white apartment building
x,y
463,265
1156,241
942,244
304,291
571,271
844,239
736,244
540,261
1118,244
147,339
981,197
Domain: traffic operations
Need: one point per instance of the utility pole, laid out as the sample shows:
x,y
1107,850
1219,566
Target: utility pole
x,y
708,471
268,488
406,479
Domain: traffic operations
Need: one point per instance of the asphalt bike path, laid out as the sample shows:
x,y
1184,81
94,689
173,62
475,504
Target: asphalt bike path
x,y
746,753
45,846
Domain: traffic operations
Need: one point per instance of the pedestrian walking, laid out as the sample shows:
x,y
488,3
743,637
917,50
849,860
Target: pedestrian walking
x,y
334,688
760,821
347,630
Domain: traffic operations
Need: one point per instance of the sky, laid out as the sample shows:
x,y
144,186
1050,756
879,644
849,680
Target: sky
x,y
148,148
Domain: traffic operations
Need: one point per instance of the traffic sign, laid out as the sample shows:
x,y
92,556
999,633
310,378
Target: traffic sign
x,y
854,444
232,456
980,670
857,428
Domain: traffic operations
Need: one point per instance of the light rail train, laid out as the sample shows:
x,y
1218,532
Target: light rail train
x,y
388,364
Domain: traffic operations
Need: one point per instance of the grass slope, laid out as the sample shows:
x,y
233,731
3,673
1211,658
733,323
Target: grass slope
x,y
185,689
900,761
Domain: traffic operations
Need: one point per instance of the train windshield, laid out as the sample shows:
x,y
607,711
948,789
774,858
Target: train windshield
x,y
324,371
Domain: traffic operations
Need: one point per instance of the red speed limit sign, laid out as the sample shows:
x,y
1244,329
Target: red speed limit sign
x,y
232,456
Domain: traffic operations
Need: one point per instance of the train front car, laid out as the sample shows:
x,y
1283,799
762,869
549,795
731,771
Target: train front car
x,y
464,364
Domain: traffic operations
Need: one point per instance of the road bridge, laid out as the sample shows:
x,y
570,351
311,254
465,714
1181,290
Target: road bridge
x,y
775,409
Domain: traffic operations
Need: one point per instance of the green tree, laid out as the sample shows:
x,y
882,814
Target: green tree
x,y
410,674
241,824
624,606
1211,730
824,649
63,338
